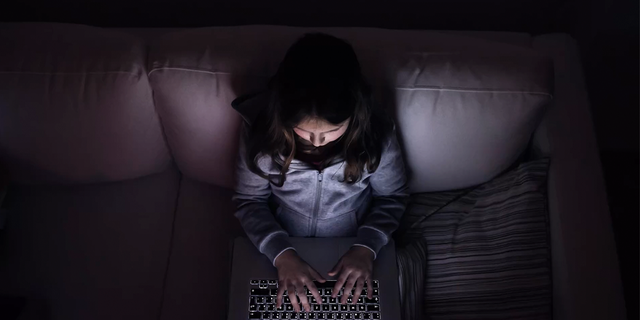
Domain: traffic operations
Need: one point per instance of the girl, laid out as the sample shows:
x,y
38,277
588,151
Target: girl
x,y
318,159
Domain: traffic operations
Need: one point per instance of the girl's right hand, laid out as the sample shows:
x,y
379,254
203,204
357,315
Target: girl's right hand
x,y
293,275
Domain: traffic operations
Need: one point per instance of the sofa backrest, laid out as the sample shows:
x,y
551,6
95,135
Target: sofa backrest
x,y
76,105
80,104
466,108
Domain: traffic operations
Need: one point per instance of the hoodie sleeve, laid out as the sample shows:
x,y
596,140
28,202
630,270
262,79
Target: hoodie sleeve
x,y
251,198
389,198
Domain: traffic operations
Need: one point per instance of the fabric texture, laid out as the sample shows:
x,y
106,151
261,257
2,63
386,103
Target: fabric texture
x,y
465,107
93,251
465,118
486,248
197,280
76,106
314,203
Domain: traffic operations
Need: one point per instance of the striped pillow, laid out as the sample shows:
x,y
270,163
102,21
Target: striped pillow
x,y
481,252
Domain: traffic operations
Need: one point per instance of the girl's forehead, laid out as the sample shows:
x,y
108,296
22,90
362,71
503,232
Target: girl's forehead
x,y
317,125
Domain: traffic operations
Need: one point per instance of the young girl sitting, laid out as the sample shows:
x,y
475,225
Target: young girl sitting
x,y
318,158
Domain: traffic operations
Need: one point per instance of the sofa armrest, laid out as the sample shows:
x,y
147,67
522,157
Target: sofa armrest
x,y
586,277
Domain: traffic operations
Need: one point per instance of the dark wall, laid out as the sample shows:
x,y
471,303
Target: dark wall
x,y
523,15
607,32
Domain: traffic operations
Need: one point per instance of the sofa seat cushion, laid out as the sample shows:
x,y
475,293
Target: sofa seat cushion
x,y
197,282
90,252
485,250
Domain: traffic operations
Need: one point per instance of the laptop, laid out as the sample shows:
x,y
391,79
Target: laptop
x,y
253,284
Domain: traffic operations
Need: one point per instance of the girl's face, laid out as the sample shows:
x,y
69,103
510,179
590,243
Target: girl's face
x,y
319,132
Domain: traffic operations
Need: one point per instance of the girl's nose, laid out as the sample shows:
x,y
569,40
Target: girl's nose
x,y
317,141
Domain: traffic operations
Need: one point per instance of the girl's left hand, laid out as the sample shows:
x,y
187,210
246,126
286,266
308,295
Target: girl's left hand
x,y
355,267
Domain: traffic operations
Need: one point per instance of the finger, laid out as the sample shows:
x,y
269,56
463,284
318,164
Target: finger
x,y
336,269
359,286
302,295
314,291
281,288
369,288
316,275
347,288
341,281
291,291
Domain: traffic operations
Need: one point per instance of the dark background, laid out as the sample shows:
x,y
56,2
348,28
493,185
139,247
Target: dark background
x,y
606,31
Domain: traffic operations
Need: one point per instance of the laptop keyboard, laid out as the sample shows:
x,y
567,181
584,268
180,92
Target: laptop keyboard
x,y
262,303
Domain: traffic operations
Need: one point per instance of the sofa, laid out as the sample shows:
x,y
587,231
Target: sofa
x,y
121,147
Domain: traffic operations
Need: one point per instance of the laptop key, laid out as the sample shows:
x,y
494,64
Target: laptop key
x,y
320,315
312,315
293,315
262,307
333,300
335,307
330,316
362,307
326,307
253,307
375,292
316,307
373,307
353,307
288,307
344,307
260,292
275,315
370,301
302,315
366,316
348,316
375,283
375,315
357,315
255,315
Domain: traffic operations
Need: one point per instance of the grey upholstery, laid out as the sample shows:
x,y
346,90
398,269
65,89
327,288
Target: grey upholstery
x,y
198,272
91,251
76,106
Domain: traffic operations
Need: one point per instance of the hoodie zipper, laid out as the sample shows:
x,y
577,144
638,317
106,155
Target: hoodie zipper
x,y
316,207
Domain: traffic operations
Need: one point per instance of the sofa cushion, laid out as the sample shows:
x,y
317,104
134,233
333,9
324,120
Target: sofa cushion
x,y
465,118
76,105
197,73
95,251
197,283
485,250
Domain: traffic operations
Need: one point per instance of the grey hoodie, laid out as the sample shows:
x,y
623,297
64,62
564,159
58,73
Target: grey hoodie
x,y
314,203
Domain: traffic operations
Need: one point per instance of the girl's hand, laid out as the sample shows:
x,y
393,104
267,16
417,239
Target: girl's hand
x,y
293,275
355,267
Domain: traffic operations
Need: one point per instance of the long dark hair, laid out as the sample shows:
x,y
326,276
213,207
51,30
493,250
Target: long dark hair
x,y
319,77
